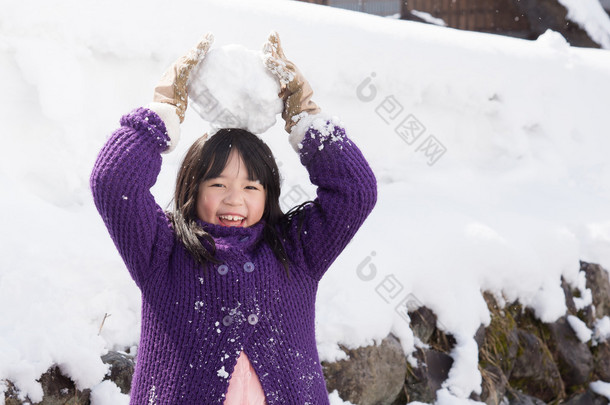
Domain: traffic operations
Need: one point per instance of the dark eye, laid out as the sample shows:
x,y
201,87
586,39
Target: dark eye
x,y
216,185
252,188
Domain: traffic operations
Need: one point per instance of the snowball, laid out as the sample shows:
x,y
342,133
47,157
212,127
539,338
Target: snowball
x,y
232,88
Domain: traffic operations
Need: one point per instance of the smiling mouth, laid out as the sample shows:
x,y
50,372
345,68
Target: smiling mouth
x,y
231,220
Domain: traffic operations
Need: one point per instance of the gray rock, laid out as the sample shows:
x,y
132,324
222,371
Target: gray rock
x,y
587,398
519,398
567,291
601,361
534,370
122,366
494,385
423,381
479,337
423,323
573,357
599,283
372,375
10,395
60,390
57,390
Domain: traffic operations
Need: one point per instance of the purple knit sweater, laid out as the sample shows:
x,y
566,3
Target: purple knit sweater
x,y
195,325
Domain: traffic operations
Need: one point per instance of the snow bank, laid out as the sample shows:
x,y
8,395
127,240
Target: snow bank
x,y
490,153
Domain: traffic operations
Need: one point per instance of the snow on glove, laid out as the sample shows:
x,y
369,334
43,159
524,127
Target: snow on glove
x,y
295,89
171,89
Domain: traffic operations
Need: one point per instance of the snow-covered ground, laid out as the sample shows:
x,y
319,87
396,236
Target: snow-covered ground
x,y
491,155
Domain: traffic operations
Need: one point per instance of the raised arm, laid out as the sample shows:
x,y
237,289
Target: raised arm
x,y
347,188
129,163
125,170
346,192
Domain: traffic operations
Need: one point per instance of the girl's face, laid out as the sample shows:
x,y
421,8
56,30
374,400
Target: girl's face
x,y
231,199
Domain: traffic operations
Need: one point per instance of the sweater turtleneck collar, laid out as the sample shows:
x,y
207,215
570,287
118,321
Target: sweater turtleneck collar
x,y
232,235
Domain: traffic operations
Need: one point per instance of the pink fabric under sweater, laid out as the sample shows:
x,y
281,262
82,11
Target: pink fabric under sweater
x,y
244,386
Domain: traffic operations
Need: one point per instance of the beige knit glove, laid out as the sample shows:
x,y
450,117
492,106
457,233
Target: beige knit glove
x,y
295,90
171,89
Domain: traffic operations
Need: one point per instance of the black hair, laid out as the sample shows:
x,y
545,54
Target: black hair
x,y
205,159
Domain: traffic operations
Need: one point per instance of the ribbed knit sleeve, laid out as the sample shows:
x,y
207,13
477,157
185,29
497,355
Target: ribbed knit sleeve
x,y
124,172
346,194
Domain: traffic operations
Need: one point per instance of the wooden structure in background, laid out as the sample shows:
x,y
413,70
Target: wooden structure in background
x,y
527,19
473,15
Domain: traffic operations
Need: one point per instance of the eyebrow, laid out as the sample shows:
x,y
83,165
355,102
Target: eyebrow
x,y
225,177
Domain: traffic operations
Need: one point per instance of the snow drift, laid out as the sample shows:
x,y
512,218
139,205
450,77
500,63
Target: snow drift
x,y
490,152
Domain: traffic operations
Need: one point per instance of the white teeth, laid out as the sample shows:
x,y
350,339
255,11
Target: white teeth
x,y
231,217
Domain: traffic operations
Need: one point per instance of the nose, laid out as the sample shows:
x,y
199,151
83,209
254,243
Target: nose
x,y
233,197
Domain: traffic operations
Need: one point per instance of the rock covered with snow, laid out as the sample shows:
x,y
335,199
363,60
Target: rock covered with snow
x,y
107,392
232,88
590,16
373,374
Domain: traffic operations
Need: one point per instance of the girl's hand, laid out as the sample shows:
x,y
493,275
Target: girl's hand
x,y
171,89
295,90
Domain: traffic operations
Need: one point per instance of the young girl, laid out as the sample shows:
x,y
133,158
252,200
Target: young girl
x,y
228,281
